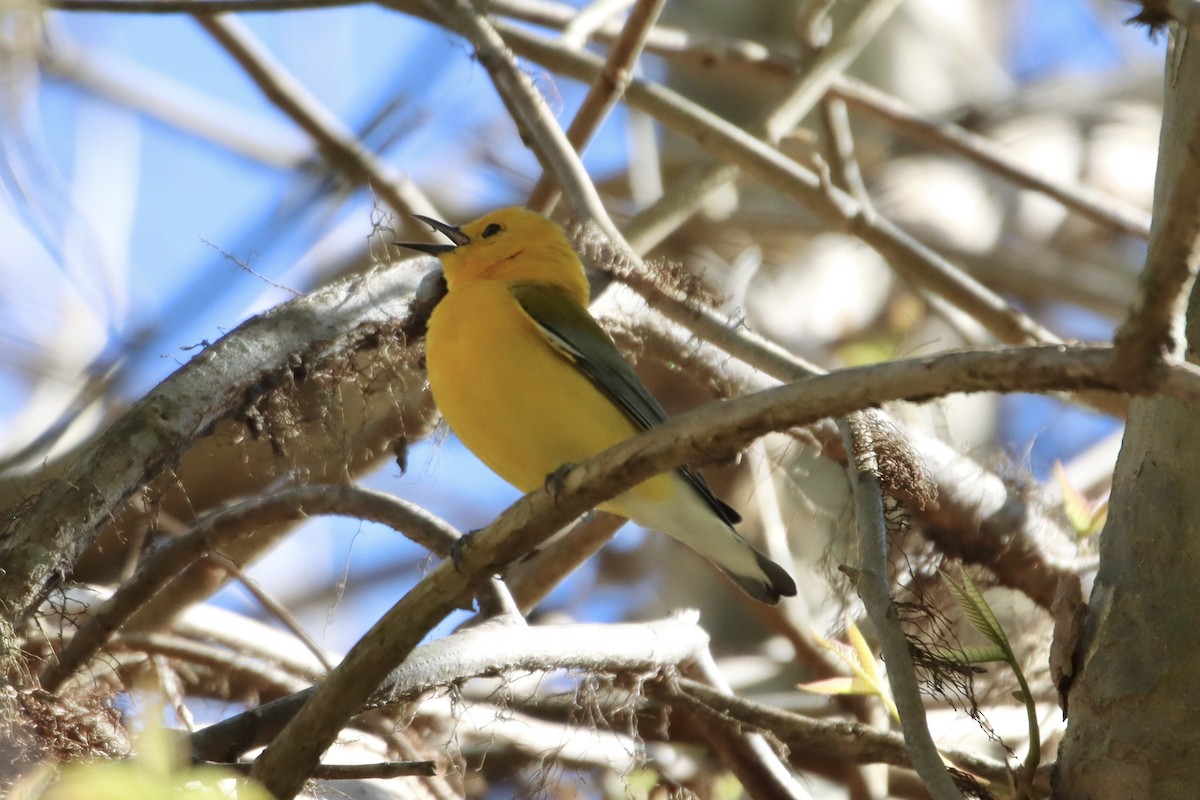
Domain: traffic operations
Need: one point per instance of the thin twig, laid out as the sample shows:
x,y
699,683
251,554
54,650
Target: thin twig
x,y
531,580
496,646
528,110
871,581
800,734
215,530
243,634
708,49
273,607
172,691
832,61
98,381
685,199
256,136
338,144
1099,281
746,754
196,6
604,93
909,257
1104,210
839,144
493,733
656,222
266,678
590,17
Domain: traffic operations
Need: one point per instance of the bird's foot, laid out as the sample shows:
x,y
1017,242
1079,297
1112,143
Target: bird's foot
x,y
556,481
456,549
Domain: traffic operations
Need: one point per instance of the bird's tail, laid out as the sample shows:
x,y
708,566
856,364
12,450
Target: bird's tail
x,y
689,518
768,584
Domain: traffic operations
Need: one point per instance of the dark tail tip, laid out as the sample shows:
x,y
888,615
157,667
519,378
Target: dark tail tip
x,y
768,587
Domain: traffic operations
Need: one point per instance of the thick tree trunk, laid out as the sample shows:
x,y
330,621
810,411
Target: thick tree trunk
x,y
1134,706
1133,731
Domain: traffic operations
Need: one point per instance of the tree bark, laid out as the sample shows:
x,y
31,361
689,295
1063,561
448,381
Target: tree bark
x,y
1134,705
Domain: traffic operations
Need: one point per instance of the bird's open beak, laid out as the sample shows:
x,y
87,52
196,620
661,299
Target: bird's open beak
x,y
449,231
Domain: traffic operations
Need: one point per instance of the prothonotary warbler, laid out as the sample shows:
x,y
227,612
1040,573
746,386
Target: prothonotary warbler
x,y
529,382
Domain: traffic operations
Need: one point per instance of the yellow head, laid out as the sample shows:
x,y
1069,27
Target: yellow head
x,y
512,244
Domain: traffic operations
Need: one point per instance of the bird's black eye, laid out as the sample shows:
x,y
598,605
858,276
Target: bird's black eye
x,y
491,230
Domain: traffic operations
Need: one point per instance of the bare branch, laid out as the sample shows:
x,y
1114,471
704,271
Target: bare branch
x,y
499,645
832,60
273,607
747,754
800,734
653,225
535,577
215,531
337,143
1108,211
604,94
1155,326
528,110
265,677
912,259
839,144
57,524
871,581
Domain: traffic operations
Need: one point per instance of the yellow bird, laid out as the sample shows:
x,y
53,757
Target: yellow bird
x,y
528,381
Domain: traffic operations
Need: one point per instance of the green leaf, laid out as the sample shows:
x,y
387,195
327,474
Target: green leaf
x,y
981,654
977,611
980,614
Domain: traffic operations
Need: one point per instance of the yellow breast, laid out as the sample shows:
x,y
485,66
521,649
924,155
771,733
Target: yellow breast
x,y
514,401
